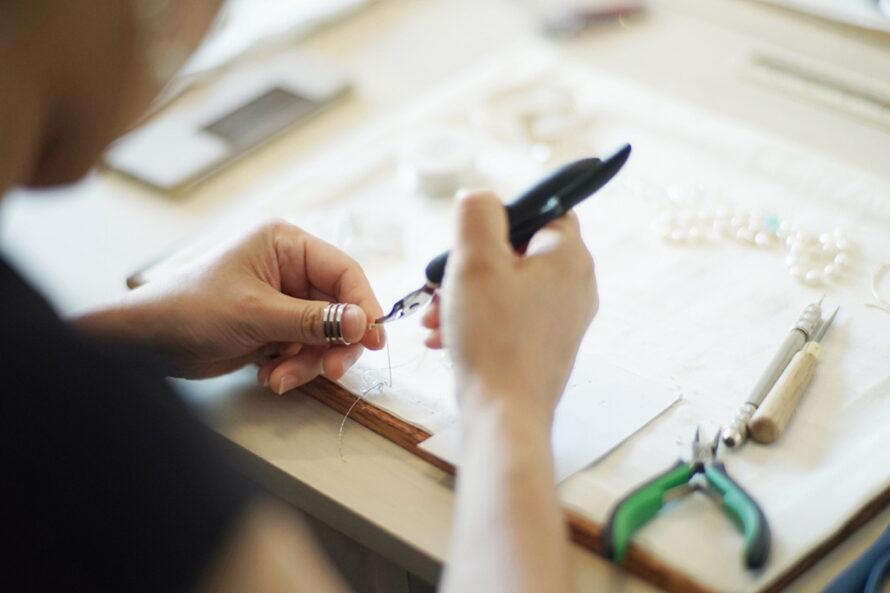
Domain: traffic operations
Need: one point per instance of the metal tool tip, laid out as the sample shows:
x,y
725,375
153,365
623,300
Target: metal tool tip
x,y
732,437
817,337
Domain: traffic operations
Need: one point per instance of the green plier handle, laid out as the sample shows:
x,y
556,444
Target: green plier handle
x,y
638,507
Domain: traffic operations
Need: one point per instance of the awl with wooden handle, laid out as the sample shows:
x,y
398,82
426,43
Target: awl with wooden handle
x,y
774,413
737,432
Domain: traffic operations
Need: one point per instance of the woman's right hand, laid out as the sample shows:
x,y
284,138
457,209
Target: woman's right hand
x,y
513,323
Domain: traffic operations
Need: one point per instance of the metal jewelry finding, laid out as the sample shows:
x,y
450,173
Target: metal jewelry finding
x,y
332,324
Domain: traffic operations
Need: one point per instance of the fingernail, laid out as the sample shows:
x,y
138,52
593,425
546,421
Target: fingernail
x,y
292,349
262,377
379,334
353,324
287,383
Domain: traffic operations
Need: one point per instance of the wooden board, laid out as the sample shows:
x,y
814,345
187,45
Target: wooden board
x,y
584,532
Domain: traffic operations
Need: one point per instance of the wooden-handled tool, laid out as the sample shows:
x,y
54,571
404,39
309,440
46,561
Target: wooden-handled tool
x,y
737,432
774,413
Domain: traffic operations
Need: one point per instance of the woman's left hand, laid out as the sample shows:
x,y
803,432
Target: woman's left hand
x,y
263,296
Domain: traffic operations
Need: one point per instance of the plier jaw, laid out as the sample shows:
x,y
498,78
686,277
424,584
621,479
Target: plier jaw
x,y
704,473
411,303
703,453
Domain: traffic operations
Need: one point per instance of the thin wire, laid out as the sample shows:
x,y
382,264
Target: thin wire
x,y
388,358
361,397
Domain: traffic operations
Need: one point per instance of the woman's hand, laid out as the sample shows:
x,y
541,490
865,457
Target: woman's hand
x,y
513,323
259,297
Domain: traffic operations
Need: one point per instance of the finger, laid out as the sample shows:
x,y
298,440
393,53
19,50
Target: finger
x,y
338,360
294,371
558,249
265,353
375,337
430,319
262,374
268,364
482,228
564,232
281,318
433,340
292,349
309,266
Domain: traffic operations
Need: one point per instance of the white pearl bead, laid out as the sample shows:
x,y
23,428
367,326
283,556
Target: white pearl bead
x,y
831,272
842,244
807,239
814,277
799,249
745,234
738,221
677,236
763,239
842,259
756,220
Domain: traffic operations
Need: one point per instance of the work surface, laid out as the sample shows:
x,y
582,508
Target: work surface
x,y
381,495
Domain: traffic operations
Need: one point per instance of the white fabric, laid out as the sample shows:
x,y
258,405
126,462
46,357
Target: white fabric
x,y
869,14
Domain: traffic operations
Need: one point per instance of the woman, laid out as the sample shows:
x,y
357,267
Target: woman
x,y
112,485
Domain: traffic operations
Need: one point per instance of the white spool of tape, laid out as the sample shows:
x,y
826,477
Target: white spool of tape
x,y
438,161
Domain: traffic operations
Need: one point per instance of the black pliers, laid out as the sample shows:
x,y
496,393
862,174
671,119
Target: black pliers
x,y
547,200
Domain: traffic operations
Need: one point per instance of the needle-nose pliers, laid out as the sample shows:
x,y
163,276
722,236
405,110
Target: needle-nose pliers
x,y
703,473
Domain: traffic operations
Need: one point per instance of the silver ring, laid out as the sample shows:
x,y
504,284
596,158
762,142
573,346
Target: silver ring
x,y
332,325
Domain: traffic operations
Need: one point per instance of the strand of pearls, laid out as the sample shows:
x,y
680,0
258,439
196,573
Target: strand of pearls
x,y
818,259
691,216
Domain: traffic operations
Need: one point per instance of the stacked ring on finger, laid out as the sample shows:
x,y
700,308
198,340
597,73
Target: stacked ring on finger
x,y
332,324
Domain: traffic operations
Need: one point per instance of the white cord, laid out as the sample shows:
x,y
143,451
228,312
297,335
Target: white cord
x,y
879,303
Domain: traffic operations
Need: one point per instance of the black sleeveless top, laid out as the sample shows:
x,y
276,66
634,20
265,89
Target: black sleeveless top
x,y
108,481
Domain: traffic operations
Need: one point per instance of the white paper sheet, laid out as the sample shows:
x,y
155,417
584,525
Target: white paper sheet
x,y
602,406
